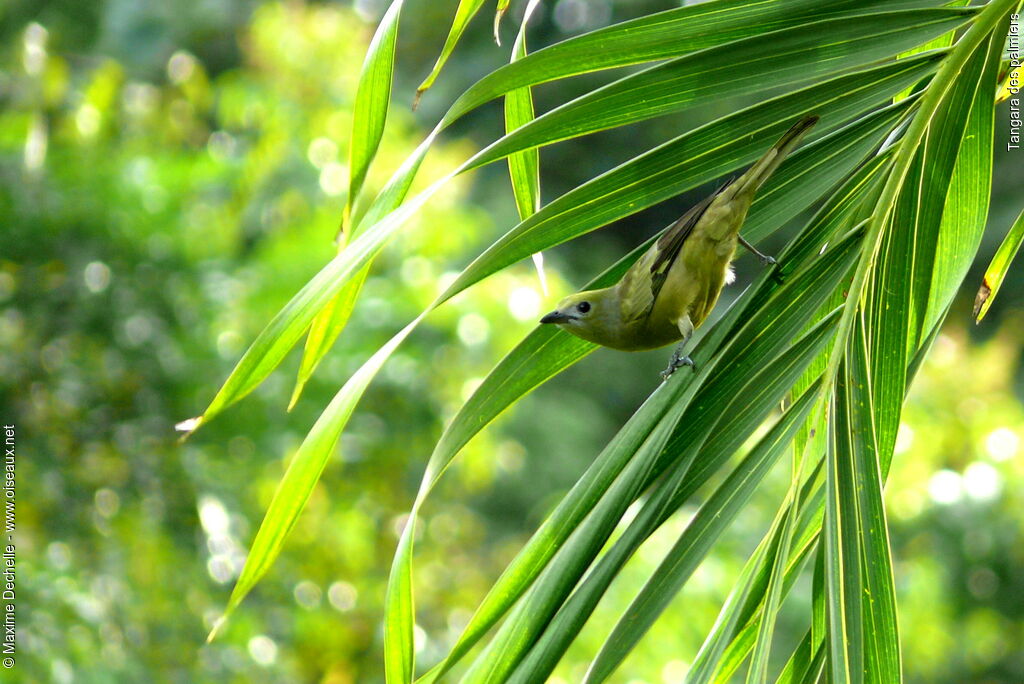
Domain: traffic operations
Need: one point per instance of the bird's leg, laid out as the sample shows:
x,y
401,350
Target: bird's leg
x,y
765,259
678,360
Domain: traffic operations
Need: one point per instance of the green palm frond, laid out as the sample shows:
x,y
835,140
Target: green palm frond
x,y
899,173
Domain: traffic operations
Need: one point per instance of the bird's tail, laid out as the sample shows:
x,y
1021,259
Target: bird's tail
x,y
764,167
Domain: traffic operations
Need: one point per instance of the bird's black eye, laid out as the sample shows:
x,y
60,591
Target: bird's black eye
x,y
583,307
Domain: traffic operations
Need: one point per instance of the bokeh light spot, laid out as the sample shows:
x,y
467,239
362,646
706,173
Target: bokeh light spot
x,y
322,151
213,516
473,329
59,555
342,596
138,330
308,594
263,650
981,481
35,49
36,143
61,671
229,343
180,67
221,145
417,270
1002,444
107,502
946,487
96,276
220,569
524,303
334,178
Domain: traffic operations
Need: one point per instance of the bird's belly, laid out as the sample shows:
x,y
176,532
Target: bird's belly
x,y
658,332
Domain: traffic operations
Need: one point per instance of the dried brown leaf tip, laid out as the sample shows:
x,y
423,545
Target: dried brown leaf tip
x,y
979,300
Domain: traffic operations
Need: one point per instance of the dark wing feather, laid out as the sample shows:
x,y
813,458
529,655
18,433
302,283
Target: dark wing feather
x,y
665,252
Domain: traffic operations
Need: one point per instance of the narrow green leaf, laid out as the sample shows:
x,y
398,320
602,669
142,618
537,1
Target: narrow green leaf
x,y
710,151
758,671
466,11
806,663
373,96
545,352
966,208
889,306
843,560
714,517
988,23
998,267
687,161
789,303
524,166
525,621
947,80
912,240
325,329
819,619
942,41
279,336
779,572
941,150
663,35
328,324
284,330
881,660
787,308
331,321
796,56
400,614
841,210
733,658
727,623
841,572
498,14
303,473
749,610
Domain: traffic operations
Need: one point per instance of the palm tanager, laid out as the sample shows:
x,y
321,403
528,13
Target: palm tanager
x,y
673,287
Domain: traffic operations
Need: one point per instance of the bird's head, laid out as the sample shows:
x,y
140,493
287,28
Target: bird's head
x,y
591,315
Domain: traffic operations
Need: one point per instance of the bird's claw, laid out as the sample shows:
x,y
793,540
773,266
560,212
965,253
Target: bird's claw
x,y
676,363
767,260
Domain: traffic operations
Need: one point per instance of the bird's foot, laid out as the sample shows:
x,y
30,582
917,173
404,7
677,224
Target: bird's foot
x,y
676,363
766,259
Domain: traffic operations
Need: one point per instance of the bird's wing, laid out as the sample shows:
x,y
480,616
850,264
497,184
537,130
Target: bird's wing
x,y
643,282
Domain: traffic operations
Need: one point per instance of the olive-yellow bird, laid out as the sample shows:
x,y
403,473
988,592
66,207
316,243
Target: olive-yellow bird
x,y
673,287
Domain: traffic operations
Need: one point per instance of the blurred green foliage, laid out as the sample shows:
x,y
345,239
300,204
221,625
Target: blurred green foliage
x,y
169,176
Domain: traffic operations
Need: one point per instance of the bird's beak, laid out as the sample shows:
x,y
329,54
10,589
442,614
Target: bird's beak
x,y
556,317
